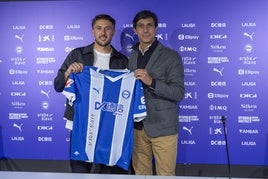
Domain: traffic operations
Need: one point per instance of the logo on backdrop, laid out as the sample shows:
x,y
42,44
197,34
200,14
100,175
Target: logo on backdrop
x,y
128,38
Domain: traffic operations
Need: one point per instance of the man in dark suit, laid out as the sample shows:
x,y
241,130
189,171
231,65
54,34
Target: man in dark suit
x,y
161,71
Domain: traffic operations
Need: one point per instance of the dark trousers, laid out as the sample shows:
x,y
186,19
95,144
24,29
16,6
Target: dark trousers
x,y
85,167
80,167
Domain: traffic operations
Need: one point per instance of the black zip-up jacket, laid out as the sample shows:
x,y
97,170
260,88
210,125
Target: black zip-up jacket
x,y
84,55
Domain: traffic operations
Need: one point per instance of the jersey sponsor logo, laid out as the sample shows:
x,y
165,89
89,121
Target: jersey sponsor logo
x,y
110,107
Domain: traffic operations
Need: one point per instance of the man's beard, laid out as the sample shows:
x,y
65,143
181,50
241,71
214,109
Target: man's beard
x,y
102,44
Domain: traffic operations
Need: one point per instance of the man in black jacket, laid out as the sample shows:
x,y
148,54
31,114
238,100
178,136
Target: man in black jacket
x,y
100,54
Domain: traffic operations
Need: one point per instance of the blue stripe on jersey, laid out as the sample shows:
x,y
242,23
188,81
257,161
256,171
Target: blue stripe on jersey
x,y
106,103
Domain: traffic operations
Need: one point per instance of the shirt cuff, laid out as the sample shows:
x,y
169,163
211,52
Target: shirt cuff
x,y
152,86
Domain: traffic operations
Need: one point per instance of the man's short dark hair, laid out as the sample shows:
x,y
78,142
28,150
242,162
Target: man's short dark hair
x,y
145,14
104,17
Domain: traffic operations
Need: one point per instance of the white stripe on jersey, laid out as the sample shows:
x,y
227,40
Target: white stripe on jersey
x,y
93,115
120,122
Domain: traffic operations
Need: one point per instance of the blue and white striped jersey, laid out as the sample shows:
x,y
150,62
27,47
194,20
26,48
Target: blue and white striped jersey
x,y
106,103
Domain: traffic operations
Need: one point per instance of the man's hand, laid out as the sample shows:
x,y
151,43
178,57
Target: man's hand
x,y
143,76
75,67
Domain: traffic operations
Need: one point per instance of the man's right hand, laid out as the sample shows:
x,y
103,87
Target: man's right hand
x,y
75,67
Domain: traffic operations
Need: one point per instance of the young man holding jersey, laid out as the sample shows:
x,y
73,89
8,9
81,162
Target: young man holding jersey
x,y
100,54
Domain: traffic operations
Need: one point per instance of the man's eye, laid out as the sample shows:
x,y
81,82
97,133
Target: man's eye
x,y
140,25
108,28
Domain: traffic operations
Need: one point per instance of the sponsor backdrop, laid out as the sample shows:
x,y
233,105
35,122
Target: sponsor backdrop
x,y
224,53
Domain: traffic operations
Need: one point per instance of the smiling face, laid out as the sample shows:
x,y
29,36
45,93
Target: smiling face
x,y
103,31
146,30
